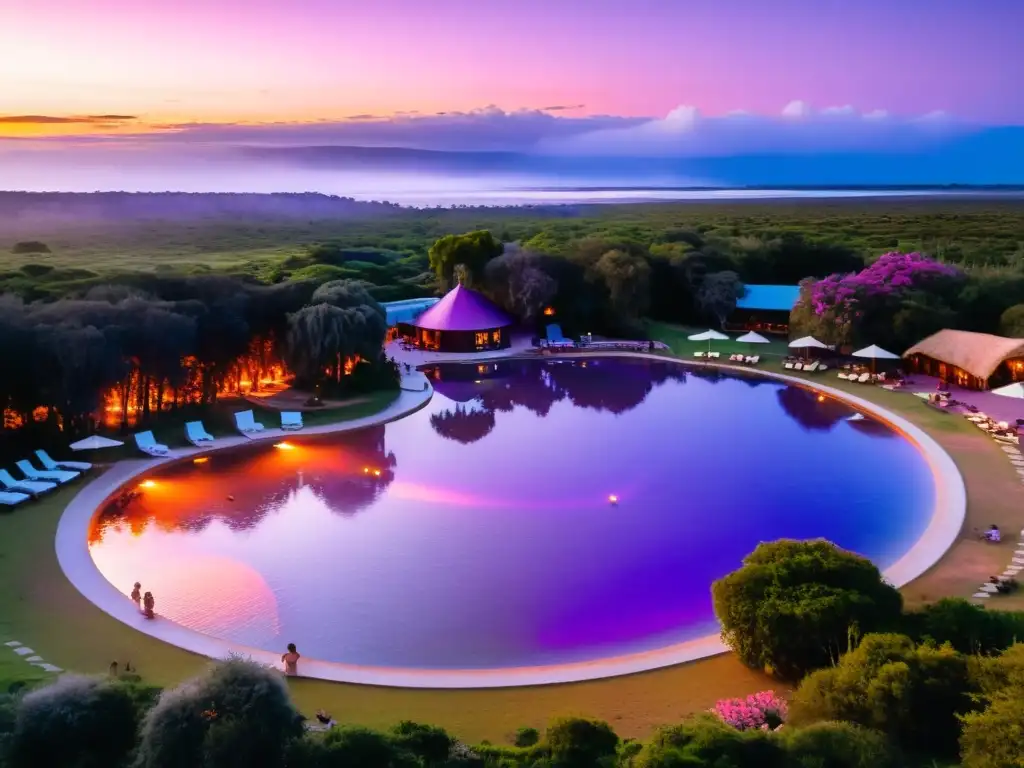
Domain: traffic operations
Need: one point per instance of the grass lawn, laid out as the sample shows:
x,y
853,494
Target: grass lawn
x,y
676,337
40,608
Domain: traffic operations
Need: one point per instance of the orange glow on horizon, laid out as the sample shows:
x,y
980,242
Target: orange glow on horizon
x,y
284,446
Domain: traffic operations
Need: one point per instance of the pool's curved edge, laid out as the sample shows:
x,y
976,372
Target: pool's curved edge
x,y
78,566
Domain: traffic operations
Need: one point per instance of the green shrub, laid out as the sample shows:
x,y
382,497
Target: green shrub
x,y
795,606
994,737
428,742
579,742
968,628
1011,322
345,746
837,745
29,246
526,737
914,694
707,741
75,722
237,715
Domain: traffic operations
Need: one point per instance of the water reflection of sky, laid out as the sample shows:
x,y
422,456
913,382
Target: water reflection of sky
x,y
487,538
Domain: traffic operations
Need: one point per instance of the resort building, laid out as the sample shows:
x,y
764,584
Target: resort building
x,y
764,308
970,360
462,321
401,314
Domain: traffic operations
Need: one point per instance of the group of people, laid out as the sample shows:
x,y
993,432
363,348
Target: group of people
x,y
144,602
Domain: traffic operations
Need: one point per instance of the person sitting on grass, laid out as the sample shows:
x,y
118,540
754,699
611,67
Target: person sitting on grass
x,y
992,535
324,719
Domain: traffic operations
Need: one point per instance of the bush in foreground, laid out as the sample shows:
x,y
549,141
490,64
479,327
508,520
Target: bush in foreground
x,y
838,745
994,736
912,693
77,722
795,606
579,742
238,715
707,741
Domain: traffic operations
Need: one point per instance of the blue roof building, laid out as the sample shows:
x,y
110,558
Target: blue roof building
x,y
407,310
772,298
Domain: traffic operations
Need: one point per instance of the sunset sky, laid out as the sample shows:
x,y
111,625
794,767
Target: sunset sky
x,y
71,66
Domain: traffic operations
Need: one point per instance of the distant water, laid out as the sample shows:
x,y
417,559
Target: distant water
x,y
478,533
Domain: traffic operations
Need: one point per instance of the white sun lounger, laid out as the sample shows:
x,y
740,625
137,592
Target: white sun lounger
x,y
754,359
31,487
58,475
291,420
9,499
811,367
699,354
246,423
196,433
74,466
864,378
148,444
714,354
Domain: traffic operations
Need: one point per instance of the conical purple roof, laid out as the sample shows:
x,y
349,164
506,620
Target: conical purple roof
x,y
463,310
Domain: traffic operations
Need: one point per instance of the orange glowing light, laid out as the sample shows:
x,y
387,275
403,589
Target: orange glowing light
x,y
613,499
376,473
366,470
549,311
821,398
284,446
147,484
201,460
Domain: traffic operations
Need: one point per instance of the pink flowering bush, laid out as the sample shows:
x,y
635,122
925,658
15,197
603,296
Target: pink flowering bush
x,y
763,710
837,305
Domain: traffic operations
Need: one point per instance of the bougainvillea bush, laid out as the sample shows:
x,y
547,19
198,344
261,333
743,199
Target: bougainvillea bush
x,y
765,710
896,299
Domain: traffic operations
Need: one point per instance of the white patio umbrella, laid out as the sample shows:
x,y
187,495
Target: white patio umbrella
x,y
807,342
1011,390
875,352
94,443
753,338
708,336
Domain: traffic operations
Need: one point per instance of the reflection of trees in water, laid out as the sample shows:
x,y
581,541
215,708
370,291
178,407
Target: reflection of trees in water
x,y
616,386
810,412
463,424
239,488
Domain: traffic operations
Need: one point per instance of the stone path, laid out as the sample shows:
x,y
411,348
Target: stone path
x,y
31,657
1016,565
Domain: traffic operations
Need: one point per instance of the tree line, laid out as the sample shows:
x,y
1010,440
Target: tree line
x,y
166,343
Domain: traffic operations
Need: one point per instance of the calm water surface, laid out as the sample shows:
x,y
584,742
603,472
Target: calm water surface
x,y
477,532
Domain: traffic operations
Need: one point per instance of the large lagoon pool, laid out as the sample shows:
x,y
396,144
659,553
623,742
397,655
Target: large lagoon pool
x,y
479,532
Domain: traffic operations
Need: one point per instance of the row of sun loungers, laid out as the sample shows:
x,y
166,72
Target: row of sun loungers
x,y
196,434
815,366
36,481
861,378
1000,430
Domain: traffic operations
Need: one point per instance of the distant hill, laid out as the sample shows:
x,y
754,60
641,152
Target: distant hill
x,y
98,207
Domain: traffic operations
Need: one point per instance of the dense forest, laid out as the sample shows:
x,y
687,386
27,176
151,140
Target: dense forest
x,y
132,314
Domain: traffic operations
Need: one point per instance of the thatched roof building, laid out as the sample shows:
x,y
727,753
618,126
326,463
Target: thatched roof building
x,y
975,360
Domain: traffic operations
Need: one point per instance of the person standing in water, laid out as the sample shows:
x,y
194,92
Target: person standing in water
x,y
137,595
291,660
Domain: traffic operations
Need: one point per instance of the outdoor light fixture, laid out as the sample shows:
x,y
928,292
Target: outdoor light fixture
x,y
201,460
284,446
613,499
147,484
821,398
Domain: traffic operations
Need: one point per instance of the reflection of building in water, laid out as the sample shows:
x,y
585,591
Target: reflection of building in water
x,y
239,488
480,391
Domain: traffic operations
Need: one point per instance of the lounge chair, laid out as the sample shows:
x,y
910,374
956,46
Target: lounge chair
x,y
754,360
788,366
31,487
714,354
9,499
57,475
148,444
842,375
291,420
811,367
196,433
864,378
246,423
699,354
74,466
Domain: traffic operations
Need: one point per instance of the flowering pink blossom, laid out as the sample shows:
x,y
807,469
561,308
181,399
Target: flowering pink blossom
x,y
763,710
889,277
